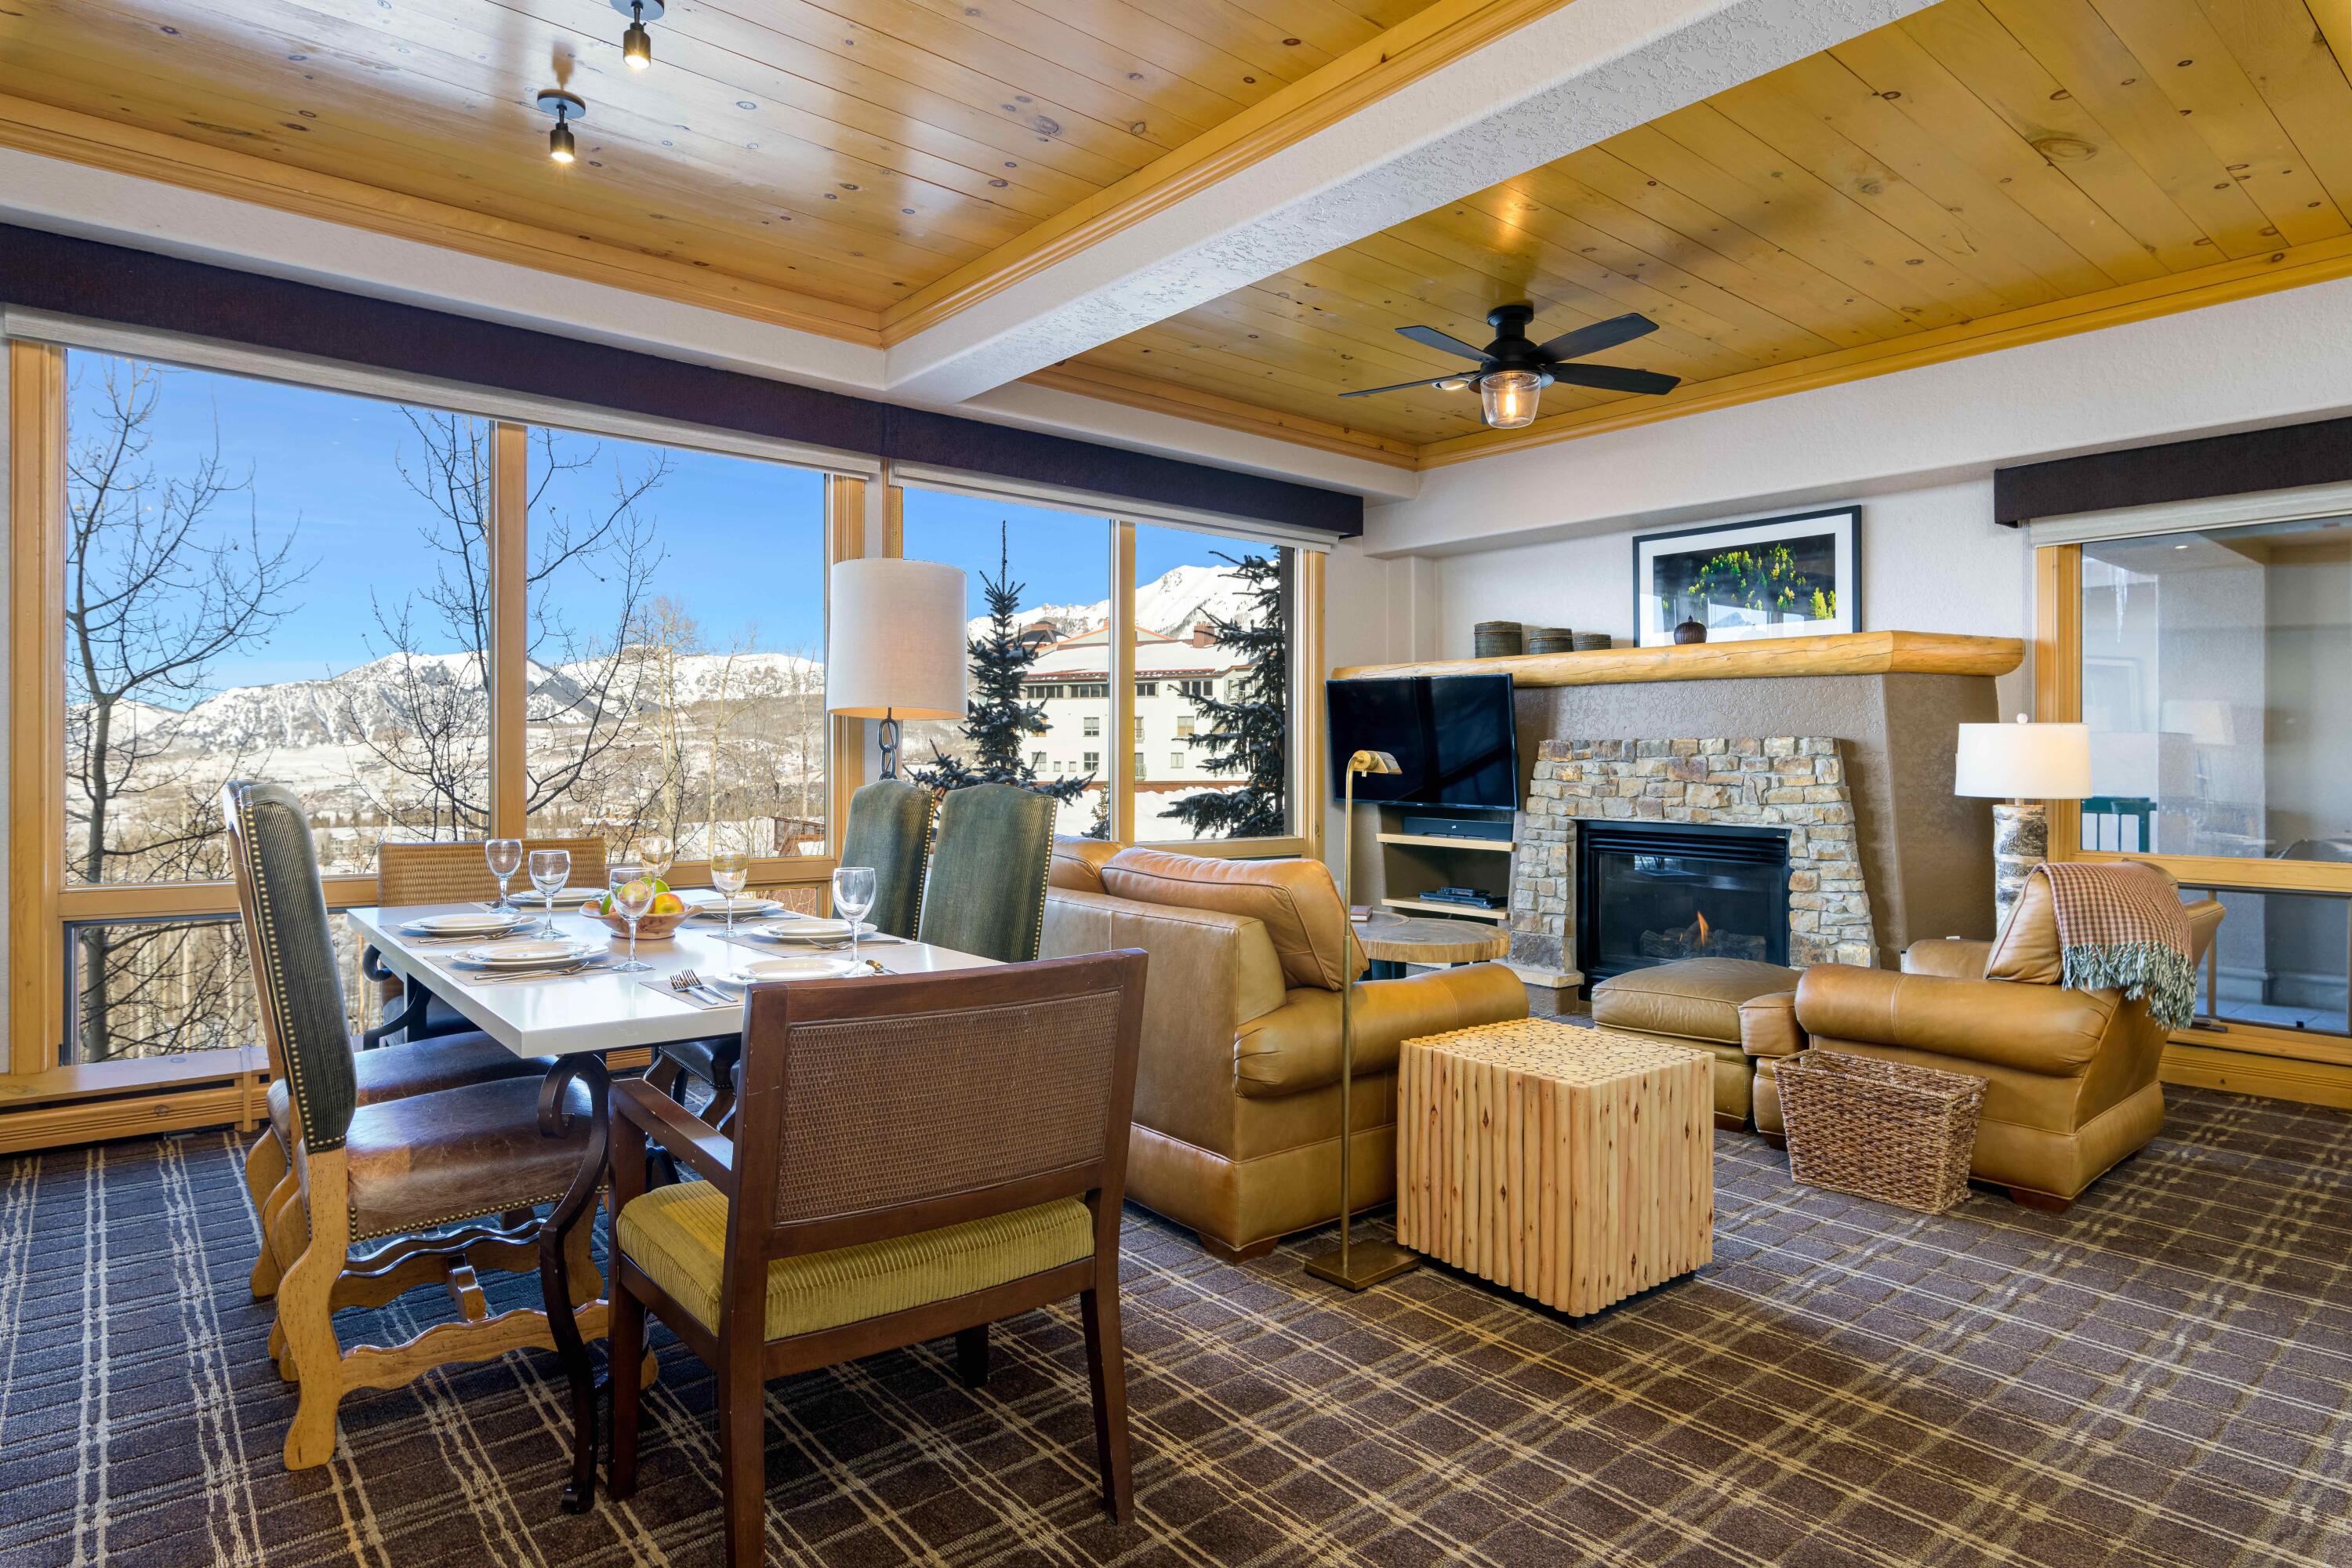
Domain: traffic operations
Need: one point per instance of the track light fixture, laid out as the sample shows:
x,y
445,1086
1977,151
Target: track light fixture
x,y
637,44
566,107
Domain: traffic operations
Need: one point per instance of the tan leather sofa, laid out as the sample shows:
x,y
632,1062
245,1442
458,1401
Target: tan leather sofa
x,y
1237,1094
2069,1076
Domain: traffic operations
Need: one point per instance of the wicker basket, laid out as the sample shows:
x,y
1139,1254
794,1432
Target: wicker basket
x,y
1593,642
1880,1129
1551,639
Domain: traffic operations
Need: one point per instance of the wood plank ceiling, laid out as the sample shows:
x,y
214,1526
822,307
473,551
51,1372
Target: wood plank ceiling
x,y
850,151
1982,168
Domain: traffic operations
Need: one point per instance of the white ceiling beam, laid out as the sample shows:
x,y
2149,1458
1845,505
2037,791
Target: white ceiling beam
x,y
1571,77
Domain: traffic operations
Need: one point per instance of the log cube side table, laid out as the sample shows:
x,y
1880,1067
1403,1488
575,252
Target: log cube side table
x,y
1573,1166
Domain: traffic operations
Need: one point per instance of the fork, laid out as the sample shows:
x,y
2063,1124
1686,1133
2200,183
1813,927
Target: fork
x,y
552,972
687,983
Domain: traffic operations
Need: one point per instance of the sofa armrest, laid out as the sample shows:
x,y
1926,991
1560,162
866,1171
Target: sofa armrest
x,y
1298,1048
1953,958
2042,1029
1767,1025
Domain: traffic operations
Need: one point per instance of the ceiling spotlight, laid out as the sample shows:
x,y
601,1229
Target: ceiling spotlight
x,y
637,44
566,107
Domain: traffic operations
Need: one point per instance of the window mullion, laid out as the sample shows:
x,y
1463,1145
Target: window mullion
x,y
510,648
36,720
1121,750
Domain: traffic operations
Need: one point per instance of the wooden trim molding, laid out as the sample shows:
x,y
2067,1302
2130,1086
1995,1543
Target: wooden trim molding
x,y
2058,667
1108,385
37,710
1311,738
844,535
1849,652
1122,751
510,659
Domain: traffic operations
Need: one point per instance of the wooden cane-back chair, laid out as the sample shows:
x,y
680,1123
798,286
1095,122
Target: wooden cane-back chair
x,y
914,1157
443,1162
453,1057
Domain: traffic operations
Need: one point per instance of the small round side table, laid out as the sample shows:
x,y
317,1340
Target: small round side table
x,y
1392,942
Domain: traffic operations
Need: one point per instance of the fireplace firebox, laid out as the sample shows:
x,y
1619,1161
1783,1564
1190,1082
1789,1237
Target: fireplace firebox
x,y
1657,892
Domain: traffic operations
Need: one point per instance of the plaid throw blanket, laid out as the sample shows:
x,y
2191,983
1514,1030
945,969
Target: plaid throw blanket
x,y
2121,926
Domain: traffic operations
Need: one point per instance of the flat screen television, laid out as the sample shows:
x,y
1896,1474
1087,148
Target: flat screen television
x,y
1451,734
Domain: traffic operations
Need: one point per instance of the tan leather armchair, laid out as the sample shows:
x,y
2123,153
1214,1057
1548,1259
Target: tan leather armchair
x,y
1237,1093
2069,1076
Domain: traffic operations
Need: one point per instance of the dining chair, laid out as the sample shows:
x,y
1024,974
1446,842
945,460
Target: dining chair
x,y
453,873
889,830
384,1073
385,1170
914,1157
990,856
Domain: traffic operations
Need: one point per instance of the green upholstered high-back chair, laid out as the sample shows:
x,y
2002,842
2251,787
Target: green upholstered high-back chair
x,y
991,855
292,946
890,829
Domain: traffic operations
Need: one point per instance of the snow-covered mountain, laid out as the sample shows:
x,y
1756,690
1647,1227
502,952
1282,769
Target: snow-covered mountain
x,y
1169,604
377,699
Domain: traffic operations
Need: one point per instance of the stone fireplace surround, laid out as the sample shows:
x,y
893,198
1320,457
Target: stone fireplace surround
x,y
1796,783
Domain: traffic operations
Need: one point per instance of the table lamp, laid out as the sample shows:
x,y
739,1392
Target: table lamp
x,y
1357,1268
2020,766
895,645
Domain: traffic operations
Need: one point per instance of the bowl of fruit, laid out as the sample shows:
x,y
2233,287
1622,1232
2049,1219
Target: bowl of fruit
x,y
660,921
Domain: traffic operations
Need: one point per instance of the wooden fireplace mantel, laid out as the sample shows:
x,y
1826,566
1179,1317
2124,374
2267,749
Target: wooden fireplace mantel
x,y
1852,653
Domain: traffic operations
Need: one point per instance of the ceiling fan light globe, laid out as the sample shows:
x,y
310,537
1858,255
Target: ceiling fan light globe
x,y
638,47
1506,399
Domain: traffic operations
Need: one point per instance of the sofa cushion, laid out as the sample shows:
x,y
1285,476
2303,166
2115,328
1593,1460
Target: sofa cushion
x,y
1079,863
1297,1047
2026,951
1694,999
1295,900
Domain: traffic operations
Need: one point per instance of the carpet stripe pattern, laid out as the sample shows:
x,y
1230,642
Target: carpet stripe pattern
x,y
2162,1376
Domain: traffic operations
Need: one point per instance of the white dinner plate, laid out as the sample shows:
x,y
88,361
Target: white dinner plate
x,y
565,898
801,966
744,905
810,928
468,923
525,953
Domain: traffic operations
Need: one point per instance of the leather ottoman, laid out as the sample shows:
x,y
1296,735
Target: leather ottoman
x,y
1697,1002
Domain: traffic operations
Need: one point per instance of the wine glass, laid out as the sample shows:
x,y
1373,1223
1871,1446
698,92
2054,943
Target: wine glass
x,y
549,870
633,895
730,869
657,851
852,895
505,855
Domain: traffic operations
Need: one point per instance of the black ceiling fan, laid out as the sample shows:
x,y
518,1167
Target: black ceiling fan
x,y
1513,370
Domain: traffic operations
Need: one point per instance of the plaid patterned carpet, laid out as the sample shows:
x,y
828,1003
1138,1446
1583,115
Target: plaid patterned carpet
x,y
2160,1377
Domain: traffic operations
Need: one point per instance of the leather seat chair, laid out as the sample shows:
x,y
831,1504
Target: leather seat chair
x,y
1237,1097
889,830
985,890
2070,1084
440,1162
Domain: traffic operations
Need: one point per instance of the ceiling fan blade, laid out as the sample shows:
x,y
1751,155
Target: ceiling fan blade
x,y
1609,378
1600,335
1402,386
1430,338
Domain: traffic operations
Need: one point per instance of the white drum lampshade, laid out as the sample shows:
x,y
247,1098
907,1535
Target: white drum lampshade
x,y
2020,765
2024,761
895,644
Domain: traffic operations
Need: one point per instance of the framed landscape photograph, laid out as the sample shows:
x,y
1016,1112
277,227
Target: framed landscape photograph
x,y
1795,576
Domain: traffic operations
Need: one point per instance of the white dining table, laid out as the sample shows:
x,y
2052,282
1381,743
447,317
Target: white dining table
x,y
577,1018
601,1010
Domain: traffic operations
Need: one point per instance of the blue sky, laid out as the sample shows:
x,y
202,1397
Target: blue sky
x,y
742,540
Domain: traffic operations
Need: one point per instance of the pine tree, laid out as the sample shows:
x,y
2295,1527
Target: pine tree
x,y
1250,733
998,722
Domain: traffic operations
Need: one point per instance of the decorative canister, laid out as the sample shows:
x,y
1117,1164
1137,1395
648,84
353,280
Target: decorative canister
x,y
1692,630
1551,639
1496,639
1593,642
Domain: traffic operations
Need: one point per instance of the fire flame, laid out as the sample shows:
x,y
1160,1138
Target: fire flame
x,y
1702,928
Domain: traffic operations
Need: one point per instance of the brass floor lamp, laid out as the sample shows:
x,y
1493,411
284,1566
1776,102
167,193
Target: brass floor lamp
x,y
1357,1268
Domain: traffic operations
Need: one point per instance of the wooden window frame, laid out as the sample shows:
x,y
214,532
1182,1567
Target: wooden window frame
x,y
41,906
2246,1057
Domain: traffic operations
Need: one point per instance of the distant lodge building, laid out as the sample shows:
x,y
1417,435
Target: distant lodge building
x,y
1072,680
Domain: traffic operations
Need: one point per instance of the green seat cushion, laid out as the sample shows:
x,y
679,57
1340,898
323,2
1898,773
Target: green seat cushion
x,y
678,1235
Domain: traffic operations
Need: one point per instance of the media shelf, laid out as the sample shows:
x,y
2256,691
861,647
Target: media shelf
x,y
1439,841
1439,907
